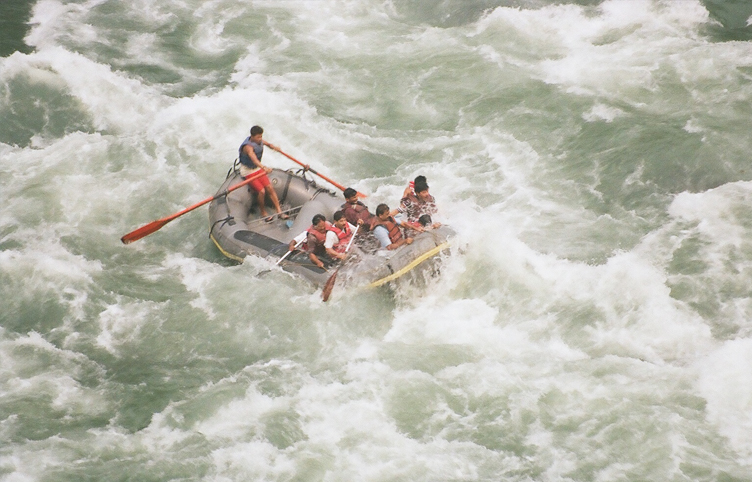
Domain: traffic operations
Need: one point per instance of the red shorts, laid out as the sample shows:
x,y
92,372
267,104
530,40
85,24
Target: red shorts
x,y
259,183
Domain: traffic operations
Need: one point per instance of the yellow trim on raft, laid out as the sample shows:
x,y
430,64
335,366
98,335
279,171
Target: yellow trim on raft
x,y
231,256
410,266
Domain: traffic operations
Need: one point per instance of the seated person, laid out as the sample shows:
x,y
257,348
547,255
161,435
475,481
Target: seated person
x,y
324,240
419,204
338,237
387,230
355,211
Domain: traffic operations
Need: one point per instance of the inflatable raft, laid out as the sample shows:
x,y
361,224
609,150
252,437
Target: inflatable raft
x,y
238,230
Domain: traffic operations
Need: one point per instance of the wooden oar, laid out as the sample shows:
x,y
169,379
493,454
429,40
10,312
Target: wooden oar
x,y
329,285
308,168
157,225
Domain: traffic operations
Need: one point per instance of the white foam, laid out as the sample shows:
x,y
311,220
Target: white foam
x,y
725,381
121,324
714,212
58,382
602,112
601,54
197,276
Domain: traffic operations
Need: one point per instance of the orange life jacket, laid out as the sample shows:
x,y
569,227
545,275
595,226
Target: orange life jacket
x,y
317,247
395,233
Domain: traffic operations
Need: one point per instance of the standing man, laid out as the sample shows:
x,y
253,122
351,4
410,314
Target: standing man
x,y
250,153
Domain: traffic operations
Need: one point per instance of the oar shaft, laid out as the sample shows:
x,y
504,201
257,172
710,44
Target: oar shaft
x,y
307,167
289,251
352,238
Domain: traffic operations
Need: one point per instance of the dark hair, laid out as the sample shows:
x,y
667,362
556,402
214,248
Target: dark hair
x,y
256,130
425,220
317,219
420,180
349,192
420,187
338,215
381,209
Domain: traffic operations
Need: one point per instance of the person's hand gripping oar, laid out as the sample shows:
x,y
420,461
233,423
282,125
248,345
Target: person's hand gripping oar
x,y
290,250
329,285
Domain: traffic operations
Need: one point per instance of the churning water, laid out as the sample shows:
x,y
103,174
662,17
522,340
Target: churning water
x,y
593,322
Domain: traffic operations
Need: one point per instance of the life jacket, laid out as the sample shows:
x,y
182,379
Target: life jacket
x,y
354,212
317,247
344,236
395,233
245,160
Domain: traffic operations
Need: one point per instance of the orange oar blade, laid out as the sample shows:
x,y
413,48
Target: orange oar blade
x,y
328,287
143,231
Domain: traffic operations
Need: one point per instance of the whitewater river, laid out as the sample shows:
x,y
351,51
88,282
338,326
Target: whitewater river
x,y
593,321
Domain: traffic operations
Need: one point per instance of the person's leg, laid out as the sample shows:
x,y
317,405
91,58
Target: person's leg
x,y
261,198
275,199
264,181
258,187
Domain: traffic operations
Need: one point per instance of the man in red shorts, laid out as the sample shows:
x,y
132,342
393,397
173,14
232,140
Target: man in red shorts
x,y
250,153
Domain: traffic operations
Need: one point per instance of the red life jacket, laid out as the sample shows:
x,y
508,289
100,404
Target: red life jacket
x,y
395,233
344,236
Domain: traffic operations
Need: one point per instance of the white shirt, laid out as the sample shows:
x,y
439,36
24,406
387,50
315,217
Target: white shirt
x,y
332,238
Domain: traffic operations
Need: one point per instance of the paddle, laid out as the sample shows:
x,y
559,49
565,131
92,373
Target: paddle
x,y
329,285
308,168
266,271
289,251
153,226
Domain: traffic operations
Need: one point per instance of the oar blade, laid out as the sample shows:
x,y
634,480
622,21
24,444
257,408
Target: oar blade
x,y
328,287
143,231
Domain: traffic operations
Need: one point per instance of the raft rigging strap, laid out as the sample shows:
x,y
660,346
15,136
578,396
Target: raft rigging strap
x,y
292,212
229,219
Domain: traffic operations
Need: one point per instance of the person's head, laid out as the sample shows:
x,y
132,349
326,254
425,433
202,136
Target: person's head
x,y
421,190
351,195
420,180
339,219
382,211
425,220
257,133
319,223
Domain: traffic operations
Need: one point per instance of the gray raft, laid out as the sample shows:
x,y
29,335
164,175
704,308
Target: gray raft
x,y
238,231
